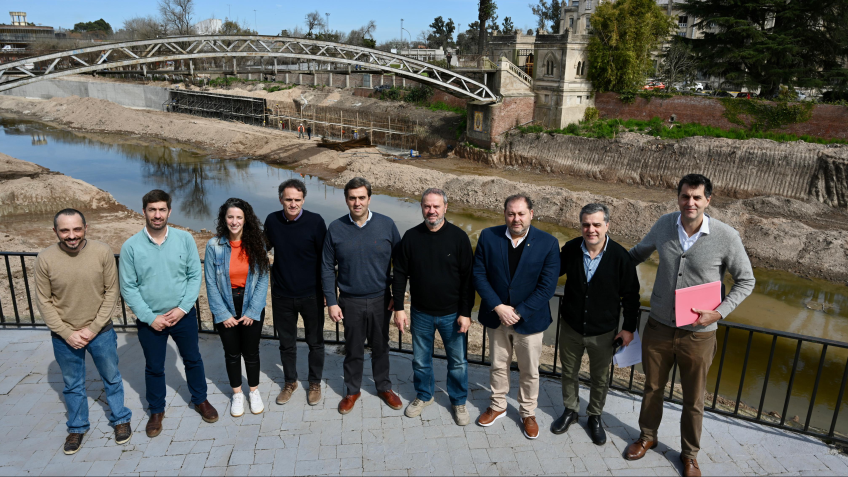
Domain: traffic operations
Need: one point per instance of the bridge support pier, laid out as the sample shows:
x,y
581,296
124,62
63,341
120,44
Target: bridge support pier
x,y
488,121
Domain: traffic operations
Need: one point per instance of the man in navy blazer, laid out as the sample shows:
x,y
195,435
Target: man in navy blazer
x,y
516,267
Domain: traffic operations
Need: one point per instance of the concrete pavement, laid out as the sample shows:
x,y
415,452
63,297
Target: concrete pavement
x,y
297,439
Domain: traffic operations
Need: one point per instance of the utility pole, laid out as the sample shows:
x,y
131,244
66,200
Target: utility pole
x,y
401,31
229,11
254,22
328,22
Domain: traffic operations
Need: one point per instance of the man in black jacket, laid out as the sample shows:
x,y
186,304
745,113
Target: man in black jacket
x,y
436,258
601,281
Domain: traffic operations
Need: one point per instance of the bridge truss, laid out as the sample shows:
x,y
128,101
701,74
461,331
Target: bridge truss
x,y
117,56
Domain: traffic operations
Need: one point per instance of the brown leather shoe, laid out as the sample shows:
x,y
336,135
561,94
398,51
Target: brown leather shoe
x,y
206,411
690,467
286,392
489,417
531,429
154,424
391,399
313,396
123,433
347,403
637,450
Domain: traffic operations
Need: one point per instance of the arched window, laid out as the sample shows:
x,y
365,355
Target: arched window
x,y
549,67
579,65
583,69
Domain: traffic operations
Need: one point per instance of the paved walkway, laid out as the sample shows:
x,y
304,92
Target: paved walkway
x,y
372,440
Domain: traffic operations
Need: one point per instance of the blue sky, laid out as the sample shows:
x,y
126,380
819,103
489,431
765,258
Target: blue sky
x,y
274,15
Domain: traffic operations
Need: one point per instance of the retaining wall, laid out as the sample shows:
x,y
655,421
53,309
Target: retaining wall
x,y
129,95
827,121
737,168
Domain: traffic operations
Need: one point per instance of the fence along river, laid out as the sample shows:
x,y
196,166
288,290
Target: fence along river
x,y
200,183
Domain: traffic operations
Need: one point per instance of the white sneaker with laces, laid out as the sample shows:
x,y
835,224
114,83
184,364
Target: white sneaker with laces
x,y
256,406
237,406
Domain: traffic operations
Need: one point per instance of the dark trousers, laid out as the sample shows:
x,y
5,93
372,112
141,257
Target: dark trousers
x,y
285,321
366,318
154,343
694,352
239,342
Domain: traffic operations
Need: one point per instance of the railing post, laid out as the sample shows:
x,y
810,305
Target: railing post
x,y
12,290
26,286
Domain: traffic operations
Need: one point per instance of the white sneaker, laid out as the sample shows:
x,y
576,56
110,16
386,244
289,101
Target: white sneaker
x,y
237,406
256,406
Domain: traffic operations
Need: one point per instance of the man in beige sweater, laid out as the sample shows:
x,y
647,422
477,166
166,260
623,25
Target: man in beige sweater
x,y
76,283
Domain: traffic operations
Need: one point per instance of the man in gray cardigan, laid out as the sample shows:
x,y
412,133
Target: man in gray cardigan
x,y
693,249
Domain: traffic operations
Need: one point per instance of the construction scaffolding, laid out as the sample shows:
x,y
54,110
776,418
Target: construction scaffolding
x,y
344,125
326,122
228,107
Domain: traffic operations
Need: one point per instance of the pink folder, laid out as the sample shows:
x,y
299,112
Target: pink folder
x,y
702,297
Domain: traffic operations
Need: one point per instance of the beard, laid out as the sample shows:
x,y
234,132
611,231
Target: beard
x,y
151,226
79,240
433,222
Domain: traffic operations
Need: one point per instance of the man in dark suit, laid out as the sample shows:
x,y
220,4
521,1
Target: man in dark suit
x,y
516,267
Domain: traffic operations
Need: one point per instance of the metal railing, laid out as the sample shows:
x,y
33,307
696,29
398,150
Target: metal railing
x,y
517,71
736,409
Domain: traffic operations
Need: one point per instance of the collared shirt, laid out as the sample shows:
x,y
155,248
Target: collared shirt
x,y
509,236
591,264
295,219
151,238
686,241
370,214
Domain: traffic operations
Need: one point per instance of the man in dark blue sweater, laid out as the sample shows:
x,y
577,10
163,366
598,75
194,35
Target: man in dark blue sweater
x,y
361,244
297,237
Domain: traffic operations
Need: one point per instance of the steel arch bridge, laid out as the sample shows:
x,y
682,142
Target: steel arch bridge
x,y
141,52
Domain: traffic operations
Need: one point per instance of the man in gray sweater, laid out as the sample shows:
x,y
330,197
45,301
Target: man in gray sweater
x,y
361,243
694,249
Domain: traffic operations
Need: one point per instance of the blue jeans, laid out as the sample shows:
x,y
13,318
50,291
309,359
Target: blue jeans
x,y
104,351
423,328
154,344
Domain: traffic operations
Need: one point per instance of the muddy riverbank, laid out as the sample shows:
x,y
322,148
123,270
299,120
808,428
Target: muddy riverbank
x,y
780,233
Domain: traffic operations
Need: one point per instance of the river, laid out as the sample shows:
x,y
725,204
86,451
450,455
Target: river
x,y
128,167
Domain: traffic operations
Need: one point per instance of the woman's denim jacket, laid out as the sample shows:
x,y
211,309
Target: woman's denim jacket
x,y
219,291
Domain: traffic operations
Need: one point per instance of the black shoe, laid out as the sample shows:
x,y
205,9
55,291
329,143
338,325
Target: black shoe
x,y
123,432
73,443
563,422
596,430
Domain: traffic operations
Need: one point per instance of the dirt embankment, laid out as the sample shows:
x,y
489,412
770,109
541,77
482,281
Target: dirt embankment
x,y
772,242
774,229
739,169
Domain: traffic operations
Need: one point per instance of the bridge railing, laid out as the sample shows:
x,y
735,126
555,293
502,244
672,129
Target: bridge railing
x,y
737,343
517,71
481,62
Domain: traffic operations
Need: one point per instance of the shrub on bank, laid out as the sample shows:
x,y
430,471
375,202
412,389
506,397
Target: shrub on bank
x,y
609,128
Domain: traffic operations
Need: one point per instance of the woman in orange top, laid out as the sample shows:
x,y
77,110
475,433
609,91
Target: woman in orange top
x,y
237,275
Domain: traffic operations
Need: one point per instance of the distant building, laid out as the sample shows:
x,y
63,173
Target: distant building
x,y
208,27
20,34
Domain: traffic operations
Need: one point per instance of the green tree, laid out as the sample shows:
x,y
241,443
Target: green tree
x,y
97,25
230,27
508,26
485,12
466,42
624,34
766,43
442,35
547,14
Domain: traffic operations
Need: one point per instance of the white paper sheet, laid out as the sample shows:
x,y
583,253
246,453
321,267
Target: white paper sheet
x,y
629,355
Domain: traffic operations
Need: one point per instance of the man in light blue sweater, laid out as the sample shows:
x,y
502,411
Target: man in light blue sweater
x,y
361,243
694,249
160,278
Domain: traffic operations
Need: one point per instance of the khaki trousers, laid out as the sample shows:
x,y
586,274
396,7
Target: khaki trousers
x,y
694,352
528,351
571,347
